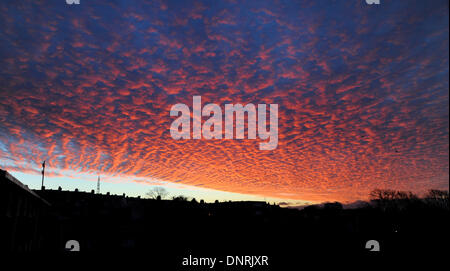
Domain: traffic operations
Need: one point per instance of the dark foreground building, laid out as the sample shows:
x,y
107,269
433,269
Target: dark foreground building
x,y
23,216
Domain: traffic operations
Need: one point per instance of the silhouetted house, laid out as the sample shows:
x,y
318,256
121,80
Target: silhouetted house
x,y
22,211
248,204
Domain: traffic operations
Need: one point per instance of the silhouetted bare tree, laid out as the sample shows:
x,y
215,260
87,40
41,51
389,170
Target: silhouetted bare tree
x,y
387,194
438,198
382,194
387,199
157,193
405,195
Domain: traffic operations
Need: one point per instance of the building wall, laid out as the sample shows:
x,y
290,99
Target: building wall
x,y
22,213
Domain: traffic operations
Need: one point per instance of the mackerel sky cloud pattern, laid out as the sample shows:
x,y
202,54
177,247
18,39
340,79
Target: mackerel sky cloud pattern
x,y
362,92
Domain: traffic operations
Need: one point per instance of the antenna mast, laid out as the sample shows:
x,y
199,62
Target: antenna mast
x,y
98,185
43,174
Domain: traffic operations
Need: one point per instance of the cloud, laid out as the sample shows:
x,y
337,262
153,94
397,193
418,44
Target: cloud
x,y
362,93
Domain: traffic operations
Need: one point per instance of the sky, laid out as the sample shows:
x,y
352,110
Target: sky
x,y
362,93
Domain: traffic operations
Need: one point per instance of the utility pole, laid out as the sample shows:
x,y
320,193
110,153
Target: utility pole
x,y
98,185
43,174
